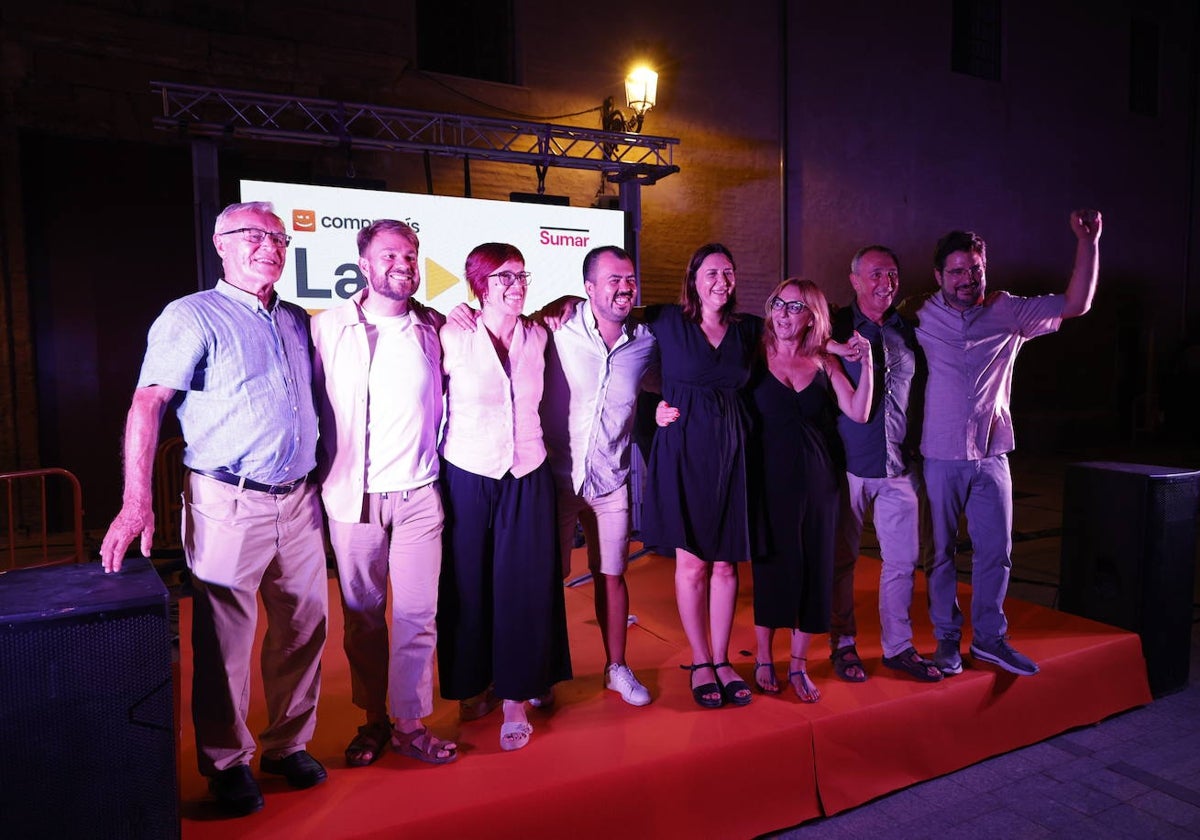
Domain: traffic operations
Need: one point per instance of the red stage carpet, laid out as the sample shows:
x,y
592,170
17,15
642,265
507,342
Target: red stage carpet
x,y
596,766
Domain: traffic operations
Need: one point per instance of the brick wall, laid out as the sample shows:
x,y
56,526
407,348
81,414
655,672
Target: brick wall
x,y
849,111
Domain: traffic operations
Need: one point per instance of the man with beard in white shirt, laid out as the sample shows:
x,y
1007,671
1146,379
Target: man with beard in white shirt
x,y
377,372
596,365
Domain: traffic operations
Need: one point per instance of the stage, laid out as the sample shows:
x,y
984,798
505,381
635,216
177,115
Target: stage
x,y
596,767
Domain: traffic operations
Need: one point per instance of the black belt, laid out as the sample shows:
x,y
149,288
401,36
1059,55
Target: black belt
x,y
273,489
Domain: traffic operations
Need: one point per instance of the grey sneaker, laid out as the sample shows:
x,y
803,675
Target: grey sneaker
x,y
1001,653
620,679
947,658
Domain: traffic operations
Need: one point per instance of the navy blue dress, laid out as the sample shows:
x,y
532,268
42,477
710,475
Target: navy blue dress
x,y
696,493
794,496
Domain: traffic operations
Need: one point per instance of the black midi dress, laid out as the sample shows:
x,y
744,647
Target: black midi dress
x,y
696,485
794,498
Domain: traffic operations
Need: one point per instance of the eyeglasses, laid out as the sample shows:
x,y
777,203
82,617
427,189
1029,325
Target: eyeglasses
x,y
507,278
975,271
257,235
794,307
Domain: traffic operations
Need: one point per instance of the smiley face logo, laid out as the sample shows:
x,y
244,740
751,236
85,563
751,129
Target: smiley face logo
x,y
304,220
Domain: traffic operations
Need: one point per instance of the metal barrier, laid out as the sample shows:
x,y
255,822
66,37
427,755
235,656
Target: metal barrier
x,y
35,548
168,496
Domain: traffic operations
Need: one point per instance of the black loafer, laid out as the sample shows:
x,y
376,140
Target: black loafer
x,y
300,769
236,791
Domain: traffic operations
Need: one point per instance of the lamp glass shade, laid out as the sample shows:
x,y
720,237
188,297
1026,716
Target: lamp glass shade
x,y
641,89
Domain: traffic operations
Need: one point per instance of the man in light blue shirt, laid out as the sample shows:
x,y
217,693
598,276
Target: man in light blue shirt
x,y
595,368
234,362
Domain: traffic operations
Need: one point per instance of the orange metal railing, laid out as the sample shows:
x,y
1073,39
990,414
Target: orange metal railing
x,y
30,542
168,495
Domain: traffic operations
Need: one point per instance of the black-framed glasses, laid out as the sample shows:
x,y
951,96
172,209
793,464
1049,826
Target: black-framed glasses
x,y
975,271
257,235
794,307
507,278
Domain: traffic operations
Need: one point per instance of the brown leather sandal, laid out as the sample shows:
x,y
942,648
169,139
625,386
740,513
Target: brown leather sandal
x,y
368,745
845,658
423,745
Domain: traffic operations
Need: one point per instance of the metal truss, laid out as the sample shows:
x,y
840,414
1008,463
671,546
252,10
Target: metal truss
x,y
217,112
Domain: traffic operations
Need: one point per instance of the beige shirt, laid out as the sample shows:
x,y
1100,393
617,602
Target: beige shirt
x,y
347,374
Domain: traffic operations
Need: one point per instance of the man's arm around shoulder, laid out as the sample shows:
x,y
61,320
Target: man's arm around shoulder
x,y
910,307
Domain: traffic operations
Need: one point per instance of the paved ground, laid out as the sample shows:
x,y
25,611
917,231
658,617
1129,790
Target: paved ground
x,y
1135,775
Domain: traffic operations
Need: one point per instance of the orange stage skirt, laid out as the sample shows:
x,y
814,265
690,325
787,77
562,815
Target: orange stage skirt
x,y
598,768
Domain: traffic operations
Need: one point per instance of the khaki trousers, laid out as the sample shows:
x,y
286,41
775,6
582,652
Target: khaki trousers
x,y
241,544
399,540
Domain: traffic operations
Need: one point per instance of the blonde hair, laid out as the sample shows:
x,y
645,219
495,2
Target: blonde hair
x,y
819,329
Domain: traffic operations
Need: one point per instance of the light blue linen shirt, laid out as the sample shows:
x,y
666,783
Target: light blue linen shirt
x,y
245,380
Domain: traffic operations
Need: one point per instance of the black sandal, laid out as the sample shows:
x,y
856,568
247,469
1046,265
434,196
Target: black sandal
x,y
369,744
810,692
734,691
699,691
913,664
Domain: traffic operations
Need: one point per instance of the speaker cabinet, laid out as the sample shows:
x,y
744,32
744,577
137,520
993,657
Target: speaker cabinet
x,y
87,730
1129,557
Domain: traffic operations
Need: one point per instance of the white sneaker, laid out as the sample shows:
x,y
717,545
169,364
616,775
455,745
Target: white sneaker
x,y
620,679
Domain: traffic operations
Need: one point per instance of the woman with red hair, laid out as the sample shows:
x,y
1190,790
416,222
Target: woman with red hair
x,y
501,617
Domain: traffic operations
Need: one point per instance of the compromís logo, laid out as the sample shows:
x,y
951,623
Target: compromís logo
x,y
307,221
304,221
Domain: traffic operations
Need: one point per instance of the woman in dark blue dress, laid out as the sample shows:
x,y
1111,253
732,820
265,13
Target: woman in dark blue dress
x,y
794,392
695,506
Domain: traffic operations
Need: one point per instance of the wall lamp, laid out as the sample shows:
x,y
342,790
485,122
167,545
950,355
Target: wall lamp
x,y
641,90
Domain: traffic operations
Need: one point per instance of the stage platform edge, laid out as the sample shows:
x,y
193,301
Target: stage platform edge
x,y
595,765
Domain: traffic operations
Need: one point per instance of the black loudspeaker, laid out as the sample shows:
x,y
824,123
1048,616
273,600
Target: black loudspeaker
x,y
87,729
1129,557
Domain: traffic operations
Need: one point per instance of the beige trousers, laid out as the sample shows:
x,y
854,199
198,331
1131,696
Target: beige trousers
x,y
242,544
399,540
